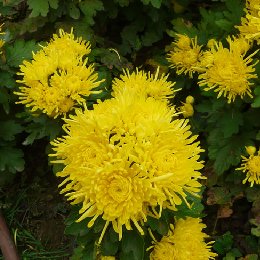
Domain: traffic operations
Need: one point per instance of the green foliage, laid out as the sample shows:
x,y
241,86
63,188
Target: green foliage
x,y
132,246
125,34
41,7
90,9
224,243
18,52
216,22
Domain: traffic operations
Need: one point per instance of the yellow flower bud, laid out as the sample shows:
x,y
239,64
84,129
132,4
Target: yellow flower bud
x,y
190,99
250,150
211,43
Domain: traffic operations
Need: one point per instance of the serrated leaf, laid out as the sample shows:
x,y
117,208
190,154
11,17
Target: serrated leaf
x,y
251,244
41,7
195,210
160,225
9,129
229,122
154,3
7,80
11,159
90,8
256,229
133,243
236,10
233,254
223,244
74,11
122,3
41,127
4,99
20,51
110,243
256,102
150,37
180,26
227,152
226,157
224,24
257,88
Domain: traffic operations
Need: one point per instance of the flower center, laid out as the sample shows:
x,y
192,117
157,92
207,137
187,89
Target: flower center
x,y
119,188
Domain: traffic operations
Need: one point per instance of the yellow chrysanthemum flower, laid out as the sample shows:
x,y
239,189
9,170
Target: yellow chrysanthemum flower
x,y
145,84
58,78
65,47
251,166
185,241
250,27
185,55
187,107
250,24
125,158
227,71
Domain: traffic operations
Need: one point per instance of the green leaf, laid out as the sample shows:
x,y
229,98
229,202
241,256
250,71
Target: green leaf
x,y
41,7
196,207
9,129
236,10
251,244
76,228
227,152
229,122
256,102
7,80
224,24
255,230
90,8
151,36
223,244
233,254
20,51
122,3
4,99
40,127
110,243
160,225
74,11
11,159
132,245
155,3
83,252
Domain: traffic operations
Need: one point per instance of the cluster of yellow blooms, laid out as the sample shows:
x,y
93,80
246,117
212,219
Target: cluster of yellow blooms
x,y
226,70
251,166
127,156
57,79
184,241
